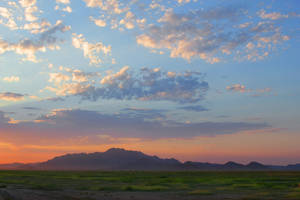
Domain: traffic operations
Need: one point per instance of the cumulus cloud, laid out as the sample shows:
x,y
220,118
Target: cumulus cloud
x,y
128,21
10,96
37,27
29,48
119,14
152,84
71,81
183,1
58,77
11,79
144,85
27,3
90,50
29,9
7,19
98,22
211,35
63,1
67,9
111,6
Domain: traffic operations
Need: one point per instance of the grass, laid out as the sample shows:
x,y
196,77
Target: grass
x,y
247,185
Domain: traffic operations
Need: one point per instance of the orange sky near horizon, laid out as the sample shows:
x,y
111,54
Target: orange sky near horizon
x,y
240,147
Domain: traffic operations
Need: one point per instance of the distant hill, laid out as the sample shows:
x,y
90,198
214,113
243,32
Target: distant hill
x,y
121,159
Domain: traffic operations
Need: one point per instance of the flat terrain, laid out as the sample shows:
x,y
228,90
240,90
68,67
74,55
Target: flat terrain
x,y
46,185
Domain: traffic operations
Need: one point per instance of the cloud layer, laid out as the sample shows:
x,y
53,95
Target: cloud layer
x,y
142,124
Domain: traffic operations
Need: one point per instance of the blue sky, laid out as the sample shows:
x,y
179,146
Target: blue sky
x,y
82,76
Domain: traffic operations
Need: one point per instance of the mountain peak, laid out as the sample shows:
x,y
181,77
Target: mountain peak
x,y
115,150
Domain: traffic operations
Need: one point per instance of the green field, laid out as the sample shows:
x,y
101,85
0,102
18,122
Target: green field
x,y
182,185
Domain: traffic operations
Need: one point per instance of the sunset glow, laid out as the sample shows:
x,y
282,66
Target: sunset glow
x,y
210,81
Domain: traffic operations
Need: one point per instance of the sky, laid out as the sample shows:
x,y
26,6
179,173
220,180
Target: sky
x,y
210,81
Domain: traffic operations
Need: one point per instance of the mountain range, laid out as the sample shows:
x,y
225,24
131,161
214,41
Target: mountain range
x,y
121,159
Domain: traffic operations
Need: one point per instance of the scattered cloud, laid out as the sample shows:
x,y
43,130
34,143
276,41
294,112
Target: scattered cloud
x,y
7,19
237,88
67,9
29,47
128,21
144,85
152,84
63,1
29,9
98,22
196,35
183,1
90,50
11,79
37,27
273,15
242,89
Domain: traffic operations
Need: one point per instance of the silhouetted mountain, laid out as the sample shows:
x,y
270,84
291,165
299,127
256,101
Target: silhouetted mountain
x,y
233,166
256,166
12,166
294,167
112,159
189,165
120,159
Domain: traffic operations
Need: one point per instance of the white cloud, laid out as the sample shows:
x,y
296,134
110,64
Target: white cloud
x,y
128,21
37,27
273,16
58,77
29,47
196,34
90,50
113,78
98,22
64,9
27,3
11,79
63,1
29,9
111,6
183,1
69,89
29,16
6,18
